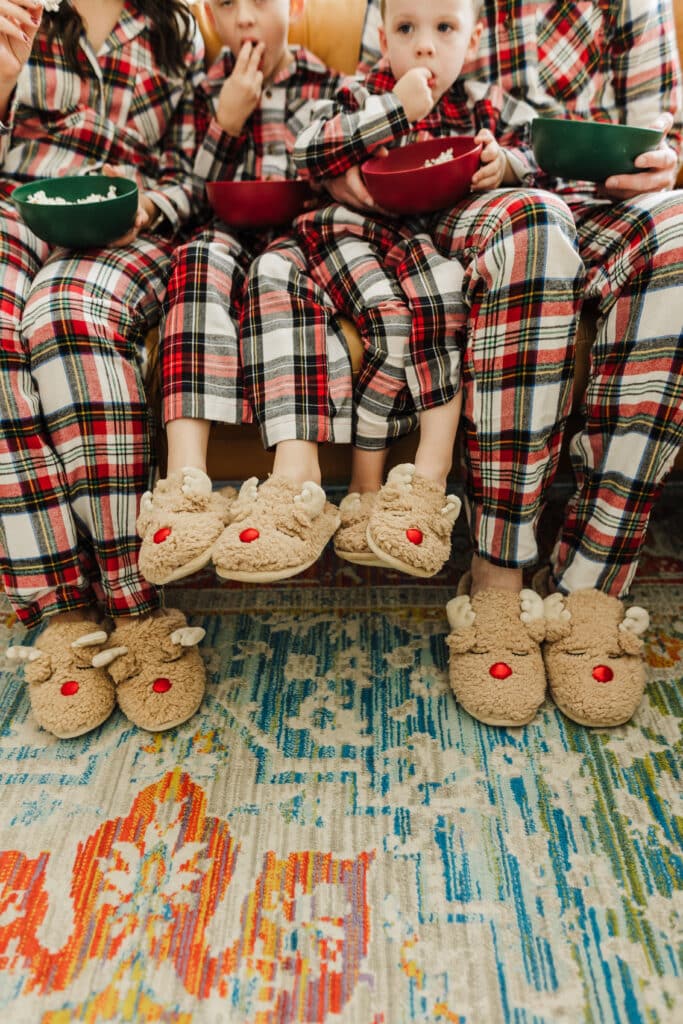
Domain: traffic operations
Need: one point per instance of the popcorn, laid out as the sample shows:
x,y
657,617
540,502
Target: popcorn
x,y
442,158
42,199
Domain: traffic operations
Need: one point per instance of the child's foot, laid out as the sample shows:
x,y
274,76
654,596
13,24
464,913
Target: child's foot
x,y
350,540
278,529
69,696
411,523
159,674
496,669
179,523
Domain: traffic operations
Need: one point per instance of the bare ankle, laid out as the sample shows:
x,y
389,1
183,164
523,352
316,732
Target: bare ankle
x,y
487,576
297,461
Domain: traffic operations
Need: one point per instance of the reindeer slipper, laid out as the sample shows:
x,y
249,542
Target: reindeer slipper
x,y
495,667
179,523
68,695
278,529
159,674
350,540
593,656
411,523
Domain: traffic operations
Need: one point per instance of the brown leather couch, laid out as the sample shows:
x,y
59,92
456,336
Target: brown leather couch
x,y
332,30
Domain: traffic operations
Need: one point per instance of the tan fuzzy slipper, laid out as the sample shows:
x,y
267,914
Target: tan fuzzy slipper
x,y
495,665
159,674
69,696
350,540
179,522
278,529
411,524
593,656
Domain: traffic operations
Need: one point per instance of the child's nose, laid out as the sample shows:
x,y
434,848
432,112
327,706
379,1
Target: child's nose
x,y
245,13
424,46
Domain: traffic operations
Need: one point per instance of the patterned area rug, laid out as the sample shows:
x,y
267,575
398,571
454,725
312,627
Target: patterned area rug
x,y
332,840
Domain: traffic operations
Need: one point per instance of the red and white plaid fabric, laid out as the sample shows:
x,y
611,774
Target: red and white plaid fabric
x,y
608,60
75,440
200,357
611,60
120,108
264,148
385,273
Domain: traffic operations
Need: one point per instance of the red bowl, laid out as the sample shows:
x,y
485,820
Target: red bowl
x,y
251,205
401,183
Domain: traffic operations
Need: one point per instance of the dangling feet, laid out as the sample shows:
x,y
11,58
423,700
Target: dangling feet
x,y
350,540
69,695
278,529
179,523
411,523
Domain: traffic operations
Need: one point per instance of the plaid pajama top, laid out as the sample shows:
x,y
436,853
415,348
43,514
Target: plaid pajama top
x,y
365,114
123,109
604,60
264,147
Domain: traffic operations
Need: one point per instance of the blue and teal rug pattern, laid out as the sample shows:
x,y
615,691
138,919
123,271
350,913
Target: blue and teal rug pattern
x,y
332,840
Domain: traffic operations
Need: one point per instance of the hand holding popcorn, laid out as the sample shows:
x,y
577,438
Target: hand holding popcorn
x,y
19,21
414,91
241,92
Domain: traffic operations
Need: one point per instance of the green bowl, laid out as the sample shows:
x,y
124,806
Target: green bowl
x,y
79,225
589,150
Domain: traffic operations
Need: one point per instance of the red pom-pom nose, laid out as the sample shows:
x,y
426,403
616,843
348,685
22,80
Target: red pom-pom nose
x,y
414,536
603,674
250,534
499,670
161,685
69,688
161,535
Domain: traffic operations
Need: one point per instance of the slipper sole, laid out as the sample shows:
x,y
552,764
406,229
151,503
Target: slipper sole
x,y
82,731
188,569
586,722
396,563
361,558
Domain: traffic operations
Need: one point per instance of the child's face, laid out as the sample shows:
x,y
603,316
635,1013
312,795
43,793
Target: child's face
x,y
255,21
436,34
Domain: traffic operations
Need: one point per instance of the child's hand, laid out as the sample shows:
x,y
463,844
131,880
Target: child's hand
x,y
349,188
19,21
241,92
415,93
493,163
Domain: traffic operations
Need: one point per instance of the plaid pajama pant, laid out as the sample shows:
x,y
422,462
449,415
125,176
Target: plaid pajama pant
x,y
522,288
295,361
405,299
75,444
201,374
633,252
